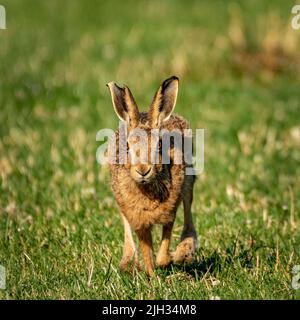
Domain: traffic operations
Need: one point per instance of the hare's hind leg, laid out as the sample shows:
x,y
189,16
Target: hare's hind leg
x,y
130,254
188,243
163,258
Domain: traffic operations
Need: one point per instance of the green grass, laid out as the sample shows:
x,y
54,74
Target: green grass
x,y
60,231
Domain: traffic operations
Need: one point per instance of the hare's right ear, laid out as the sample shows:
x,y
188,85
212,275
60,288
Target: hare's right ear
x,y
124,104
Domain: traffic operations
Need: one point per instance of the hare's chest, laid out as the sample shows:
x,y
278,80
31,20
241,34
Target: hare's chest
x,y
144,208
145,212
144,217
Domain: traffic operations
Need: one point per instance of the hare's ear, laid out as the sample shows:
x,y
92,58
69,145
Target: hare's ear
x,y
163,102
124,104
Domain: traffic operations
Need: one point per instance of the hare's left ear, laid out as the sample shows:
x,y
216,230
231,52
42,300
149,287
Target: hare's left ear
x,y
164,102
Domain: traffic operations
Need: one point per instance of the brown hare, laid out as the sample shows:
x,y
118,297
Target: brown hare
x,y
147,193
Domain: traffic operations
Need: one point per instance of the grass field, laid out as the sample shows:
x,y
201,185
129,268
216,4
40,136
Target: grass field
x,y
238,62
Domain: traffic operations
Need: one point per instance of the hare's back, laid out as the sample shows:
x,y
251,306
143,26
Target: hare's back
x,y
176,122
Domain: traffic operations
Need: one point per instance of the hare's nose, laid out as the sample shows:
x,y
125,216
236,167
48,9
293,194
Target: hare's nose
x,y
143,173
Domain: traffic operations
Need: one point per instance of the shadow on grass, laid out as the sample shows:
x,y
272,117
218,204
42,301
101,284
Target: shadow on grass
x,y
214,263
200,267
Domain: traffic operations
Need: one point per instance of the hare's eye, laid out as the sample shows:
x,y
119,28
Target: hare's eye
x,y
159,145
127,146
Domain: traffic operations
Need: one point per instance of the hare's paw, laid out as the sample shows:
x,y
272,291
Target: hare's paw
x,y
128,264
163,260
185,251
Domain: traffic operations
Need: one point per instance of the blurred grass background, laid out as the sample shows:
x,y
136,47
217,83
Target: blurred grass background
x,y
238,63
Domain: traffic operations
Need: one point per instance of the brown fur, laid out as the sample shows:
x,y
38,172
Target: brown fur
x,y
156,202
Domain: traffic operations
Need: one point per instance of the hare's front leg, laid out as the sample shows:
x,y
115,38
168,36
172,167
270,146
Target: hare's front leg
x,y
163,258
145,239
186,249
130,255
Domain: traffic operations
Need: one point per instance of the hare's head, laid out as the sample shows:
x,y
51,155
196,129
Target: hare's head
x,y
144,139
